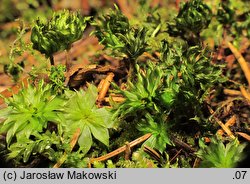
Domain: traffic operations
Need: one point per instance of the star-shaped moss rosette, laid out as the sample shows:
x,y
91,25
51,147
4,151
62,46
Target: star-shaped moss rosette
x,y
58,33
29,112
192,18
114,31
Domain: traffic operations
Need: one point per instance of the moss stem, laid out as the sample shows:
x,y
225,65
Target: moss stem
x,y
68,60
51,59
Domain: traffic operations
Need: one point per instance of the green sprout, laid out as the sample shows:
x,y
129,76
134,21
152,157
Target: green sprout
x,y
115,32
159,129
29,112
141,96
218,155
225,15
81,112
109,27
58,33
190,75
41,144
192,18
18,47
57,78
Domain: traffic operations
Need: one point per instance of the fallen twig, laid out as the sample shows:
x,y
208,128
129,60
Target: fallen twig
x,y
196,162
244,93
229,123
127,151
226,129
244,135
148,55
121,149
232,92
99,87
183,144
152,153
115,99
241,60
176,155
105,87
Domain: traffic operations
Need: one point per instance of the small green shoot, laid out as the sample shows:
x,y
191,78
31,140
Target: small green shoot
x,y
58,33
29,112
218,155
81,112
159,130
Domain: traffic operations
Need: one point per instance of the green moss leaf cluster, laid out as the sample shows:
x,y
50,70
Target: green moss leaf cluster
x,y
192,18
28,115
140,96
41,145
29,112
81,112
218,155
57,78
190,75
59,32
159,130
115,32
175,87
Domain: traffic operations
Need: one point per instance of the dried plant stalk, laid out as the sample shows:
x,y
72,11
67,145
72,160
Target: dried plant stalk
x,y
241,60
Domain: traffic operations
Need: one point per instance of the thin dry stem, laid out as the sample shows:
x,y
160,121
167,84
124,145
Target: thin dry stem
x,y
229,123
51,59
244,93
196,162
68,60
115,99
244,135
121,149
226,129
127,151
175,156
232,92
241,60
